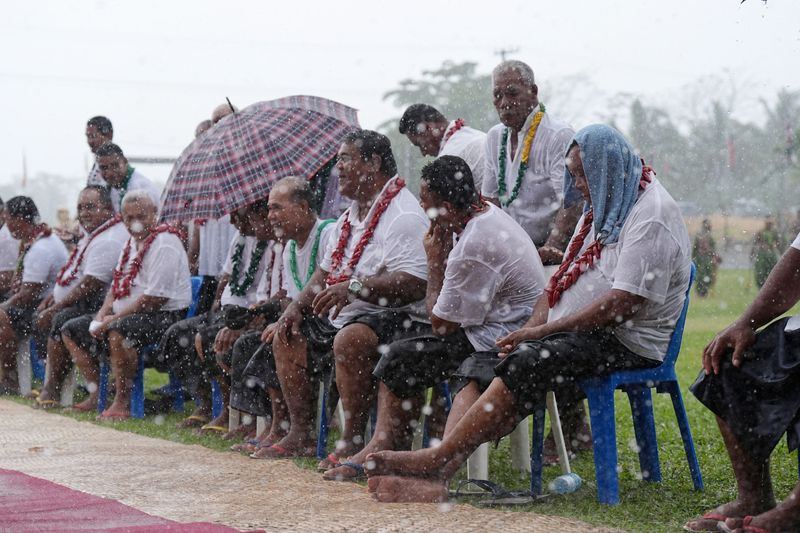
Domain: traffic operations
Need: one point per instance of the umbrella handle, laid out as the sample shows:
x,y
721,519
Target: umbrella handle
x,y
233,109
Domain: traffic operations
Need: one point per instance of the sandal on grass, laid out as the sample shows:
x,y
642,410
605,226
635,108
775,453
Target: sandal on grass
x,y
357,468
329,462
276,451
744,524
708,522
38,403
497,494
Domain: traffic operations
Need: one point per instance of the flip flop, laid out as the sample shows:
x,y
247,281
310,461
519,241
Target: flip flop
x,y
276,451
38,403
497,494
744,526
711,516
247,447
329,462
212,428
77,408
189,422
359,469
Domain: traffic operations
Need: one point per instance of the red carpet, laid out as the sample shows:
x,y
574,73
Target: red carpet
x,y
29,504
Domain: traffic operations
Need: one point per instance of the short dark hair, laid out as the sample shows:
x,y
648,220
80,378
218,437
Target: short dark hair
x,y
450,178
109,149
102,124
23,207
371,143
259,206
104,193
417,114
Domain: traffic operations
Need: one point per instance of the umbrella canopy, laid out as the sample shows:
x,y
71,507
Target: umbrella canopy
x,y
237,161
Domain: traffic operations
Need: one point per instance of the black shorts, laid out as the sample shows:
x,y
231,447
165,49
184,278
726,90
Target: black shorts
x,y
555,363
89,306
21,320
252,373
415,363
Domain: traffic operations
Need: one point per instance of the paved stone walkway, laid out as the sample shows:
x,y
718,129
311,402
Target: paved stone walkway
x,y
191,483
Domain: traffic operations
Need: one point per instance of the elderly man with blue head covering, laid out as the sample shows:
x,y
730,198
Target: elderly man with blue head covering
x,y
612,305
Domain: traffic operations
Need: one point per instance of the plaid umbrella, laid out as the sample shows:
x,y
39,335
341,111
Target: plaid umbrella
x,y
236,162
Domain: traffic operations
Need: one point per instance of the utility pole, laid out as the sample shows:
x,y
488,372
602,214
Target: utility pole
x,y
505,51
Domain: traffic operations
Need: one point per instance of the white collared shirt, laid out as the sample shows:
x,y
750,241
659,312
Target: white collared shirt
x,y
396,246
303,257
470,145
44,259
541,194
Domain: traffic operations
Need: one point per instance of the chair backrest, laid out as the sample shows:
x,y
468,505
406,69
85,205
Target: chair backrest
x,y
674,347
197,281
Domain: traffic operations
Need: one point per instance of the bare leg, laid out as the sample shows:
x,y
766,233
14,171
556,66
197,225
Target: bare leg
x,y
784,517
397,489
225,392
295,380
123,364
280,417
465,399
356,352
59,364
8,355
90,370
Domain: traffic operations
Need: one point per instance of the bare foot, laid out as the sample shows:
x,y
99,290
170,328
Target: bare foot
x,y
421,463
397,489
709,520
784,517
242,432
86,406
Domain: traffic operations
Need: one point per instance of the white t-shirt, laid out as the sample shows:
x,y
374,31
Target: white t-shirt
x,y
9,250
652,258
95,176
540,195
272,279
493,279
216,237
44,259
137,182
99,259
470,145
164,273
396,246
250,243
303,257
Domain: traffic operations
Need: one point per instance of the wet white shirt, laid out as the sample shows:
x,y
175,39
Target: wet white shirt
x,y
652,259
137,182
493,279
303,257
272,279
470,145
540,195
9,250
44,259
250,296
396,246
216,237
99,259
164,273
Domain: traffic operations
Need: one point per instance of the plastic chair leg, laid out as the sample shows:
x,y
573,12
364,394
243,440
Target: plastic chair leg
x,y
604,441
322,432
37,364
137,391
217,402
176,387
24,369
686,433
537,451
641,400
102,388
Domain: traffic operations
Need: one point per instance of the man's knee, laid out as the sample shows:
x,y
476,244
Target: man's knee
x,y
355,340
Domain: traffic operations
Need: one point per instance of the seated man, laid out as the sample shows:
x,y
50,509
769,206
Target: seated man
x,y
611,305
9,250
121,177
749,381
41,255
150,291
254,383
81,284
484,278
366,292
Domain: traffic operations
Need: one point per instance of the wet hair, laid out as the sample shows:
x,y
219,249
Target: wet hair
x,y
450,178
102,124
299,190
371,143
139,195
103,193
417,114
109,149
23,207
517,66
259,206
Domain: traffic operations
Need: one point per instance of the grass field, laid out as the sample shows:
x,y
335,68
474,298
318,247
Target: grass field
x,y
644,507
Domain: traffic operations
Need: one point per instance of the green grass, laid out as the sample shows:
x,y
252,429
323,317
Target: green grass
x,y
644,507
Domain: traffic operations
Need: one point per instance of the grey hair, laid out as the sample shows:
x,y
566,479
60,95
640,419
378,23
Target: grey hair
x,y
298,189
523,69
139,195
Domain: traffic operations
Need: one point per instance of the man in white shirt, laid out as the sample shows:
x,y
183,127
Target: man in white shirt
x,y
42,254
99,131
611,306
525,161
121,177
484,278
81,284
9,251
434,135
367,291
150,291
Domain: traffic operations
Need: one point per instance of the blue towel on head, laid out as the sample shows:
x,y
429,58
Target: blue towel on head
x,y
613,170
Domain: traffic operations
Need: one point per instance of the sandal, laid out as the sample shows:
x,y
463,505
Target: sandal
x,y
710,522
497,494
744,526
38,403
276,451
359,470
328,463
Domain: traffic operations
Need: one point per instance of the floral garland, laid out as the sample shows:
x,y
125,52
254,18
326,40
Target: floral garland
x,y
268,273
312,264
523,164
121,284
240,289
123,188
44,231
338,254
63,281
565,277
449,133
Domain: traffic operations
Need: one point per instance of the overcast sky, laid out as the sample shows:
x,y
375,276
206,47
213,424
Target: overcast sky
x,y
156,68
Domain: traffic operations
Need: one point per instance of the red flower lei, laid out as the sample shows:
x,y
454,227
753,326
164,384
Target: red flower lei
x,y
268,273
449,133
121,284
65,282
562,279
338,254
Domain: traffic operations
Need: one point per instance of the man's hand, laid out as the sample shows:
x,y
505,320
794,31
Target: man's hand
x,y
438,242
287,326
105,322
550,255
44,319
737,337
225,339
269,333
335,297
512,340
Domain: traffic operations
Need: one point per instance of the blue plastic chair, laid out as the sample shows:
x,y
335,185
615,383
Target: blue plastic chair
x,y
637,384
137,390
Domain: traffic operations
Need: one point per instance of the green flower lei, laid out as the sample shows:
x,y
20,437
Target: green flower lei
x,y
312,264
240,289
123,189
523,167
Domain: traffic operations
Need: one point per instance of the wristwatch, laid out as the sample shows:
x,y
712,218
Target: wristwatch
x,y
355,286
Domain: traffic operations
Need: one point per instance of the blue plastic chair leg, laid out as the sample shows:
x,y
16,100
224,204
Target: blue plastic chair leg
x,y
137,391
217,403
686,433
37,364
644,425
604,441
102,388
176,388
537,451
